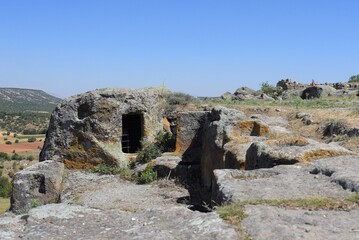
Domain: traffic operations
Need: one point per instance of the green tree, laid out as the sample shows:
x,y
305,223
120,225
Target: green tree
x,y
271,90
354,78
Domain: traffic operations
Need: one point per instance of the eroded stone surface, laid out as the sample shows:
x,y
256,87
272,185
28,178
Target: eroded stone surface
x,y
272,223
107,207
342,170
281,182
267,154
37,185
86,129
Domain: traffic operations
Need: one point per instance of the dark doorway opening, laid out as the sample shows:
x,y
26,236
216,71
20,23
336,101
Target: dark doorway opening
x,y
132,132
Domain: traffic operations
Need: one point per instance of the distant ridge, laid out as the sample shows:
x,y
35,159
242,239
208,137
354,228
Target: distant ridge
x,y
26,100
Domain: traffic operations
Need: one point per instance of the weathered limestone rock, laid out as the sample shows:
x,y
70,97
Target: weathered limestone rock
x,y
37,185
265,97
243,93
227,96
172,167
289,151
86,129
227,135
280,182
108,207
342,170
311,92
274,223
189,137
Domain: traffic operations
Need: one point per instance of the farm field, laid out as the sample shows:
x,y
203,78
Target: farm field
x,y
23,146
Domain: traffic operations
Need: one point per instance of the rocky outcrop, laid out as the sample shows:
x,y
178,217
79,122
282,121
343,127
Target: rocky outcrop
x,y
227,96
227,136
289,150
244,93
280,182
311,92
37,185
86,129
189,137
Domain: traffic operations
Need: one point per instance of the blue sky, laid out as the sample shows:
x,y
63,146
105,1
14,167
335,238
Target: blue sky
x,y
204,48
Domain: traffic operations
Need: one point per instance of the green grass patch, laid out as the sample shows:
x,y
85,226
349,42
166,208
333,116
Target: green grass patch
x,y
4,204
354,198
29,136
234,214
307,203
104,169
323,102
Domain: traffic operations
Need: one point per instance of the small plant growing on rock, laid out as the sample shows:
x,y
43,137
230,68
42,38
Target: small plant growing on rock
x,y
165,141
148,152
104,169
35,203
148,175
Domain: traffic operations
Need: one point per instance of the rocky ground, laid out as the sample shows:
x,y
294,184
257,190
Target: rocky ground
x,y
107,207
287,165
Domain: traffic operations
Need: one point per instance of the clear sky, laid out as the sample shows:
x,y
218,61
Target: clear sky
x,y
204,48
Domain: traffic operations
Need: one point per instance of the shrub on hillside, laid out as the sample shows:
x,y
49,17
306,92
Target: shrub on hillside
x,y
29,131
178,98
31,139
271,90
4,156
16,156
354,78
5,187
8,142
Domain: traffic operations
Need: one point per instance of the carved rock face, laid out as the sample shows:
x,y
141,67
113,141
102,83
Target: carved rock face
x,y
87,129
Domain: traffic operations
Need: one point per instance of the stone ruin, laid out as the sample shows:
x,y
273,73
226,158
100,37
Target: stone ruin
x,y
102,126
107,126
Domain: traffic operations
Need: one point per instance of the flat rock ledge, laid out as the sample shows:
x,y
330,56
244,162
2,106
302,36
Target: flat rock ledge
x,y
280,182
273,223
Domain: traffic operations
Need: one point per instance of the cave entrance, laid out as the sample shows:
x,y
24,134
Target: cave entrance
x,y
132,132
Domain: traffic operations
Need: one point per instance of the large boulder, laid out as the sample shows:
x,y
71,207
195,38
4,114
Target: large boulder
x,y
227,96
311,92
90,128
37,185
244,93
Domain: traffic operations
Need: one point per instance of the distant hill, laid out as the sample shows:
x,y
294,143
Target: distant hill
x,y
26,100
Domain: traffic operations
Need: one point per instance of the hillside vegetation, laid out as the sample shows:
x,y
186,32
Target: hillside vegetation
x,y
26,100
